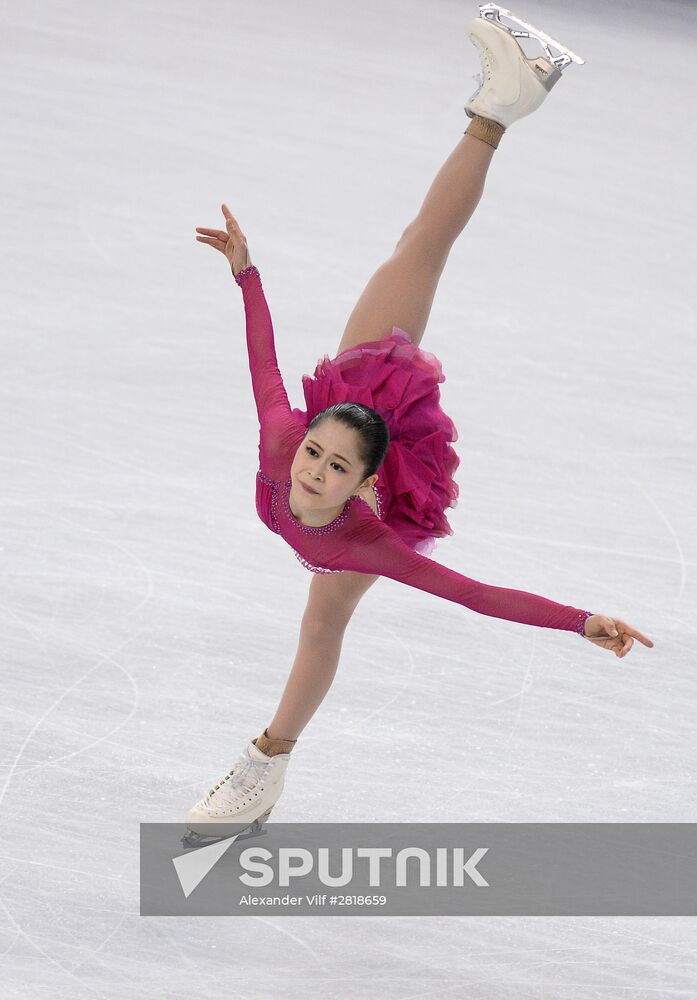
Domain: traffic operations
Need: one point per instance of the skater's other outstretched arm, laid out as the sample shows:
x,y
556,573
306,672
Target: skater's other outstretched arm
x,y
378,549
280,431
381,550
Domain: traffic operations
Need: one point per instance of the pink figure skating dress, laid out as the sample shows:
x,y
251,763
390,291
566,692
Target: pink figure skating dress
x,y
400,381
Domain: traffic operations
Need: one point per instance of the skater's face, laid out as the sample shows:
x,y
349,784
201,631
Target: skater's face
x,y
329,462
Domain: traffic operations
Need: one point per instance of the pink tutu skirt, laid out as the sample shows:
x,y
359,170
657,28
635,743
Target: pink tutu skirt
x,y
400,381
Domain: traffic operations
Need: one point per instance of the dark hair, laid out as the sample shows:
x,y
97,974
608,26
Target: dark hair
x,y
372,430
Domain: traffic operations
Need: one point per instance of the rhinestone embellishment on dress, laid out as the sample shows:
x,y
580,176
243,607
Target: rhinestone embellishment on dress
x,y
314,569
274,499
583,617
310,529
244,274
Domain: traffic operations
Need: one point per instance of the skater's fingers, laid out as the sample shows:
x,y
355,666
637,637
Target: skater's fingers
x,y
219,233
218,244
630,630
231,221
612,645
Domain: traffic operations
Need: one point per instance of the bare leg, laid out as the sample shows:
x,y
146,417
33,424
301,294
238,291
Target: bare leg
x,y
332,599
401,291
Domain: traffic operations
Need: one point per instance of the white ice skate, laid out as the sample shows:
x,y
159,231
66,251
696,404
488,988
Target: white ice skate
x,y
512,85
240,803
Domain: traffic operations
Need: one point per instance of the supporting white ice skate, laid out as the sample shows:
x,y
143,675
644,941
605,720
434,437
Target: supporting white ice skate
x,y
240,803
512,85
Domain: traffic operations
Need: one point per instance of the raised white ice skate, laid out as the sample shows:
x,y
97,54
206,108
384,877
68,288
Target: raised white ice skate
x,y
512,85
242,799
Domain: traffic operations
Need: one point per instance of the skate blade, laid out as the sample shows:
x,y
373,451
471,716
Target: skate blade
x,y
192,839
493,12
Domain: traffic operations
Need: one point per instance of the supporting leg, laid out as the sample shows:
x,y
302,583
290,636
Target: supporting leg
x,y
401,291
332,599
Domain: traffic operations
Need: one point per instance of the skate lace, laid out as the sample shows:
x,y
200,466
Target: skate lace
x,y
486,65
244,776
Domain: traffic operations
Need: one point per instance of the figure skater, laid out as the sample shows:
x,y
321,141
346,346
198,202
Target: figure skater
x,y
358,484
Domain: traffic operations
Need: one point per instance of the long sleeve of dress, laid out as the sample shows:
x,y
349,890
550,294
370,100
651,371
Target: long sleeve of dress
x,y
280,432
370,546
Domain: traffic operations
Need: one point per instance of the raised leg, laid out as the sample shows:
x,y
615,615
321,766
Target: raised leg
x,y
401,291
332,599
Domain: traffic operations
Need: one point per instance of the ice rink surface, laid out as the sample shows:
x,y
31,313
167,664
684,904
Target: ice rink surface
x,y
149,619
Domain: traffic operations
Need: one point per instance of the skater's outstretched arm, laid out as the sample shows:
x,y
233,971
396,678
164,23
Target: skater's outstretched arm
x,y
267,382
376,548
280,431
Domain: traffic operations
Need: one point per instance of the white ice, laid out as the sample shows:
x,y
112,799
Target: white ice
x,y
149,619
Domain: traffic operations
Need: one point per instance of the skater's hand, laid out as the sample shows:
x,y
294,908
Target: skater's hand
x,y
232,242
613,634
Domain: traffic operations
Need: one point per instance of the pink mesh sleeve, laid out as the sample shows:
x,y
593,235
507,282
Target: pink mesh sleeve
x,y
280,432
378,549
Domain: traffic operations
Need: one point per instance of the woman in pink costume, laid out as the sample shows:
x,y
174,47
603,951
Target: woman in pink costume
x,y
359,482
